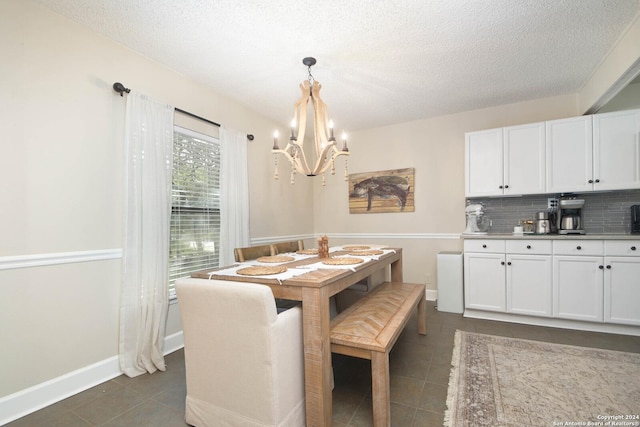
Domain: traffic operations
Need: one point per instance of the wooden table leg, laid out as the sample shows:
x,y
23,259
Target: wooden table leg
x,y
422,316
317,357
381,389
396,271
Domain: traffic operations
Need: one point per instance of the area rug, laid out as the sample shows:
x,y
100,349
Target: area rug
x,y
505,382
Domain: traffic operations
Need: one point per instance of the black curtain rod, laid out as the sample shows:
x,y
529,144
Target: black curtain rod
x,y
119,87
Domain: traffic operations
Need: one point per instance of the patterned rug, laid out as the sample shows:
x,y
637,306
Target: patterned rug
x,y
505,382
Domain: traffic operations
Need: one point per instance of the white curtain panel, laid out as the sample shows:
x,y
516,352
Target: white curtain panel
x,y
147,207
234,194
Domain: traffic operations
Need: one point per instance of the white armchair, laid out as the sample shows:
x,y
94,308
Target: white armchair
x,y
244,362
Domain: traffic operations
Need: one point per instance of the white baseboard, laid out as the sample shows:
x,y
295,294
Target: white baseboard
x,y
34,398
31,399
431,295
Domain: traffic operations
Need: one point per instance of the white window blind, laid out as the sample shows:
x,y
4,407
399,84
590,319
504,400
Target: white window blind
x,y
195,205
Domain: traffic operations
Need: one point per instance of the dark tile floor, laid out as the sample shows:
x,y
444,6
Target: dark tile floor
x,y
420,367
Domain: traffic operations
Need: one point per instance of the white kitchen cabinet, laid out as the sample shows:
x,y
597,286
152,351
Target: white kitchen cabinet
x,y
578,287
616,150
622,282
484,278
593,153
578,274
569,280
524,159
484,163
529,282
569,147
505,161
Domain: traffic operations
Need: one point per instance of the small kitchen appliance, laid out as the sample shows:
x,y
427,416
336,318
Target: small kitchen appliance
x,y
543,224
635,219
477,221
570,216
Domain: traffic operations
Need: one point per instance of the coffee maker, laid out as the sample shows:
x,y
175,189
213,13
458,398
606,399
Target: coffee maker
x,y
570,216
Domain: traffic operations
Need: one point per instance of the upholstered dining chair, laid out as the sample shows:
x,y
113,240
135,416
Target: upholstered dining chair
x,y
284,247
244,362
251,252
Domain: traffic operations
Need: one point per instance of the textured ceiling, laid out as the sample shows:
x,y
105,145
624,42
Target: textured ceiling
x,y
380,62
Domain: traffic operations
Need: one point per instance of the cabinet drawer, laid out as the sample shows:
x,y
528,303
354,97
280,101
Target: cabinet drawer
x,y
578,247
534,247
622,247
482,245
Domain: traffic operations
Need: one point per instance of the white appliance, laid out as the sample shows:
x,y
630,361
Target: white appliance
x,y
477,221
450,282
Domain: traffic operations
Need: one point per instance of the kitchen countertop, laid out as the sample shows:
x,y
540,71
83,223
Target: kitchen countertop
x,y
510,236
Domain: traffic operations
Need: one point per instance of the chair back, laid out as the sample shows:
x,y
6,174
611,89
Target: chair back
x,y
284,247
251,252
244,362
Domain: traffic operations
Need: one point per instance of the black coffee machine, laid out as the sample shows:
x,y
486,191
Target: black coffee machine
x,y
635,219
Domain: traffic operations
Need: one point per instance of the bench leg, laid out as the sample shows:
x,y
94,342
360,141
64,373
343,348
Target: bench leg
x,y
381,389
422,317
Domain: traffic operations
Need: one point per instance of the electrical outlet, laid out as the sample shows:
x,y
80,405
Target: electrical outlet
x,y
427,279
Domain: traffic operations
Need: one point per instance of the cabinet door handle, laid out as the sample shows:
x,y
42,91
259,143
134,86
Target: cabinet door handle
x,y
484,246
506,186
501,262
578,247
528,246
633,248
509,263
597,181
590,181
601,267
608,267
501,187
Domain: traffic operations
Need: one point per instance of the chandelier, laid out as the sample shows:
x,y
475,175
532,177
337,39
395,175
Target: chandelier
x,y
324,149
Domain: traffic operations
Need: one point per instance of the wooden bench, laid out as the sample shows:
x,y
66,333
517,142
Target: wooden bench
x,y
369,329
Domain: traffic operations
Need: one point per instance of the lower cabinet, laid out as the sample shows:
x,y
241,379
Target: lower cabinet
x,y
587,280
578,288
484,272
529,284
622,290
515,280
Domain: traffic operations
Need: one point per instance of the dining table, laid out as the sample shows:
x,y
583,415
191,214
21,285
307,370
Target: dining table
x,y
308,279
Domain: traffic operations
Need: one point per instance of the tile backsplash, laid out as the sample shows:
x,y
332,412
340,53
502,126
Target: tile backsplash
x,y
606,212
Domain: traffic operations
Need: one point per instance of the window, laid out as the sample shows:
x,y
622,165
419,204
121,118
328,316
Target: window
x,y
195,205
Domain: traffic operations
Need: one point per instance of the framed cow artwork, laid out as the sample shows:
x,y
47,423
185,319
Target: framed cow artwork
x,y
383,191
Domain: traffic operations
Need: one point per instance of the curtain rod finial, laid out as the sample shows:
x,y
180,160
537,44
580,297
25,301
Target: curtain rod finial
x,y
119,87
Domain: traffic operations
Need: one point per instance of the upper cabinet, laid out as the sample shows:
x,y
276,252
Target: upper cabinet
x,y
616,150
575,155
484,163
505,161
569,155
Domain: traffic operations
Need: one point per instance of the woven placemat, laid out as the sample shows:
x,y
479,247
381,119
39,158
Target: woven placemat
x,y
367,253
355,248
259,270
276,258
308,252
342,261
